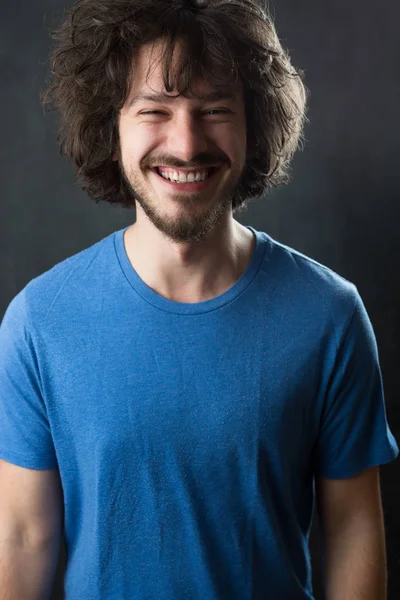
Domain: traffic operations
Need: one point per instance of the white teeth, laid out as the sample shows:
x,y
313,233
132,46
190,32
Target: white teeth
x,y
185,178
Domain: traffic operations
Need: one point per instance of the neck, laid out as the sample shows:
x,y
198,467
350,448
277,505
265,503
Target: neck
x,y
190,272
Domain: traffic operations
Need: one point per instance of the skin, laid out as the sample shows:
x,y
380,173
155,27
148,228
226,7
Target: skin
x,y
186,246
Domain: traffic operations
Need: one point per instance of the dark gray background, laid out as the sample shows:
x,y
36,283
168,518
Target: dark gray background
x,y
341,207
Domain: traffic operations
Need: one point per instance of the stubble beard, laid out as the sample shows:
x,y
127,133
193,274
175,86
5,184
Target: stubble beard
x,y
192,225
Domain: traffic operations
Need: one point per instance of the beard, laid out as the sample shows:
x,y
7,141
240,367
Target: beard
x,y
192,225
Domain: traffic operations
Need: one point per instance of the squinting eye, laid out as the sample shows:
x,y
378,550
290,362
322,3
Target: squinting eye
x,y
215,110
154,112
151,112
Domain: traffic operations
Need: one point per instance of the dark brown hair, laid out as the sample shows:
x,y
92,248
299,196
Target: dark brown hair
x,y
225,41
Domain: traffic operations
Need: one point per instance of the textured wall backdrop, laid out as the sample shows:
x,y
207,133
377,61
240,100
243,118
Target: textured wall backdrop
x,y
341,208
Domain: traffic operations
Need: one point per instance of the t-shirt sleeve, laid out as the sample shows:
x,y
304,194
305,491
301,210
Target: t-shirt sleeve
x,y
25,436
354,433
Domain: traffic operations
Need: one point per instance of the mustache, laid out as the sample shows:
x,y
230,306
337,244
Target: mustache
x,y
198,163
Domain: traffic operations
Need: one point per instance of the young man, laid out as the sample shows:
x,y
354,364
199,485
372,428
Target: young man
x,y
181,392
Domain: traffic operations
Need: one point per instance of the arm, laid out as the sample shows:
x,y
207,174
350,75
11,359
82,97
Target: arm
x,y
28,573
31,516
353,535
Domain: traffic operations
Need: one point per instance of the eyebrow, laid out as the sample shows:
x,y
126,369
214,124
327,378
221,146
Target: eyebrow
x,y
161,97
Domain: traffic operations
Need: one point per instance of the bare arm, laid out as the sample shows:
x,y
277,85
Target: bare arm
x,y
31,523
355,565
353,534
28,573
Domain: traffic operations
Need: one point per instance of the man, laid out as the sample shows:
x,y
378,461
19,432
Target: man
x,y
180,392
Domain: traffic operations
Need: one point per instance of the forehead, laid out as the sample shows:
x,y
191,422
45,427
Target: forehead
x,y
147,74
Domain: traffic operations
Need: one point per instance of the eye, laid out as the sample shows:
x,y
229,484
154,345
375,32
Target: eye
x,y
151,112
155,112
216,110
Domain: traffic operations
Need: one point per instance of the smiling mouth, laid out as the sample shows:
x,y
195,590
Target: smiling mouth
x,y
210,172
184,187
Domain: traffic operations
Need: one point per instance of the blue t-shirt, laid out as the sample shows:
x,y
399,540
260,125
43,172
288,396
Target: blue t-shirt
x,y
188,436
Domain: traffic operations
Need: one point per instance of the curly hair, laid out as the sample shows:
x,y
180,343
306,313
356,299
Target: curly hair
x,y
224,41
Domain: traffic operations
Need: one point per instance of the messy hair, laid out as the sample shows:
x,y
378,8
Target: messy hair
x,y
224,41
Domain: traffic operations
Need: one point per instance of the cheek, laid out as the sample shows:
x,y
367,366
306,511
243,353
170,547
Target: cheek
x,y
232,140
136,143
134,148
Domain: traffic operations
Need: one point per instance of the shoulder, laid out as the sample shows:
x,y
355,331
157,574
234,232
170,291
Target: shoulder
x,y
306,285
59,285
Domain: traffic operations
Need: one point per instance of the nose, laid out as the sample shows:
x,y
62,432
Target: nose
x,y
187,136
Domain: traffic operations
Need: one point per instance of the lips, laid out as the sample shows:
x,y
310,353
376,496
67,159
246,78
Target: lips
x,y
203,168
210,170
197,170
187,187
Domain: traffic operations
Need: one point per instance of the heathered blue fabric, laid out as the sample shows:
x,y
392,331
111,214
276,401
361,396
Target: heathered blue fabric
x,y
188,435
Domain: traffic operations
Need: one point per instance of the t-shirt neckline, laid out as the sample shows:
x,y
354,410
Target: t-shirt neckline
x,y
153,298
